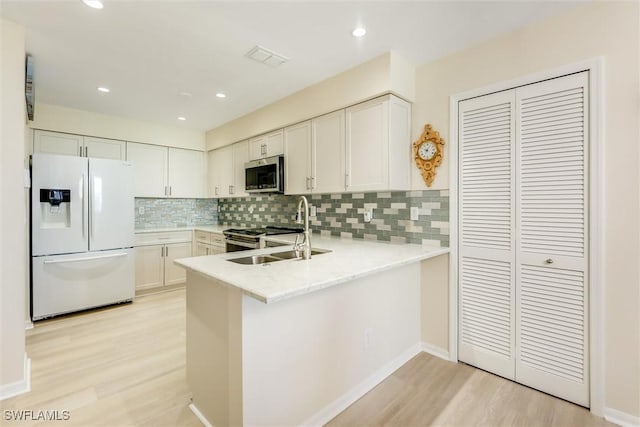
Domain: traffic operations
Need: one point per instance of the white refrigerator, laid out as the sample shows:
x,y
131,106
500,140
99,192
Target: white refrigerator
x,y
82,231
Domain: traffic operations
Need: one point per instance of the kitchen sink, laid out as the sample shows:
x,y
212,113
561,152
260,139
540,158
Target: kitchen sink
x,y
292,254
278,256
255,259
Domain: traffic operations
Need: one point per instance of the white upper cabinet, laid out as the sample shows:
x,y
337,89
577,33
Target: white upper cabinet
x,y
226,176
378,146
328,153
314,155
297,158
186,173
267,145
57,143
220,172
149,169
77,145
240,157
166,172
104,148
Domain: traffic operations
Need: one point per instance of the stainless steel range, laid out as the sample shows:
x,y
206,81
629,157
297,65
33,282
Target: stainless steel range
x,y
242,239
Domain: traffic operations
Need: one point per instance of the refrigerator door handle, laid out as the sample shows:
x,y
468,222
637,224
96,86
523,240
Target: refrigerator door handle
x,y
83,214
62,261
92,201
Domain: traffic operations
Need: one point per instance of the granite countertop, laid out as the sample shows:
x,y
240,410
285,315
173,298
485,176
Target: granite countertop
x,y
213,228
271,282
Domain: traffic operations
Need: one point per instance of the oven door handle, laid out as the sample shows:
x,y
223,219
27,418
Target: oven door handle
x,y
243,244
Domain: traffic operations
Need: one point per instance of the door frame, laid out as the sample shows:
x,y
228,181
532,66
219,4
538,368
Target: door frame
x,y
597,283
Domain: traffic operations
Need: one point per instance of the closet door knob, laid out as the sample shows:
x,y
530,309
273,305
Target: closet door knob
x,y
548,261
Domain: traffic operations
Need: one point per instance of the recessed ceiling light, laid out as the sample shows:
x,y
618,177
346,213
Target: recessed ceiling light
x,y
104,89
359,32
182,118
95,4
221,95
187,94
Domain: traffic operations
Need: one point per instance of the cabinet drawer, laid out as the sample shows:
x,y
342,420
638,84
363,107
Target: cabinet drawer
x,y
202,236
217,240
159,238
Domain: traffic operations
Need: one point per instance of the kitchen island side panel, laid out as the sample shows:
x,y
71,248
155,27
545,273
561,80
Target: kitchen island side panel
x,y
301,356
214,352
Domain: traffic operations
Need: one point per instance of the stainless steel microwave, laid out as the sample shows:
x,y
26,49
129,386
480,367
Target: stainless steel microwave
x,y
265,175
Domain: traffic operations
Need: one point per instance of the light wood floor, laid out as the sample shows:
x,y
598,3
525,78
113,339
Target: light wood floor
x,y
428,391
120,366
125,366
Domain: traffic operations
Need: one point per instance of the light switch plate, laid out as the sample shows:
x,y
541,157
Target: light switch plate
x,y
27,179
368,215
415,213
313,211
141,210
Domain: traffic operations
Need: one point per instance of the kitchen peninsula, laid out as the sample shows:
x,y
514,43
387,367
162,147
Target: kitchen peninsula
x,y
294,342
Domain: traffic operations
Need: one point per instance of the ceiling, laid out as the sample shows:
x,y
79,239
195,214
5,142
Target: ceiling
x,y
149,53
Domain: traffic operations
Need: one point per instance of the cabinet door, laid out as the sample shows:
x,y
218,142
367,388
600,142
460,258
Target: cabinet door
x,y
149,266
202,249
220,171
186,173
367,142
275,143
240,157
149,169
328,152
57,143
297,155
103,148
172,273
267,145
257,147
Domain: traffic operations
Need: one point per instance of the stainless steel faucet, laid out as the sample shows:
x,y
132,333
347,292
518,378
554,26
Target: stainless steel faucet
x,y
305,245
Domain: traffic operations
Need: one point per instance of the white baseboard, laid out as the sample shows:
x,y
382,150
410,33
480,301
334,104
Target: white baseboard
x,y
18,387
435,351
621,418
200,416
343,402
28,324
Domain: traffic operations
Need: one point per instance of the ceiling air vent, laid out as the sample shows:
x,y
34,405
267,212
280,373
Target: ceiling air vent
x,y
266,56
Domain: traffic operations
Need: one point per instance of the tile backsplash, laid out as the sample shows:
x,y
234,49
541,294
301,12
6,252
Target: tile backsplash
x,y
154,213
342,214
337,214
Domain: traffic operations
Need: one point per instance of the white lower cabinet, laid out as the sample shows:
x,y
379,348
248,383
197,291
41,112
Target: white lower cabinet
x,y
208,243
155,253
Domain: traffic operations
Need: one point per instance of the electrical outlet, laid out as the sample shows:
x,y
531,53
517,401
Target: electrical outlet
x,y
313,211
141,210
218,208
368,215
415,213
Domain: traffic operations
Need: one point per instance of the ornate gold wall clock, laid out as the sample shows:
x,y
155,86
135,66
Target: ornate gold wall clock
x,y
428,151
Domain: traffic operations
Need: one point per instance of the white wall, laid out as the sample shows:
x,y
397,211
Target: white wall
x,y
386,73
609,29
61,119
13,220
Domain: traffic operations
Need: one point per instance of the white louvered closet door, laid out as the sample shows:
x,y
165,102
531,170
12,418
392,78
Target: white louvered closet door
x,y
552,238
523,227
487,228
